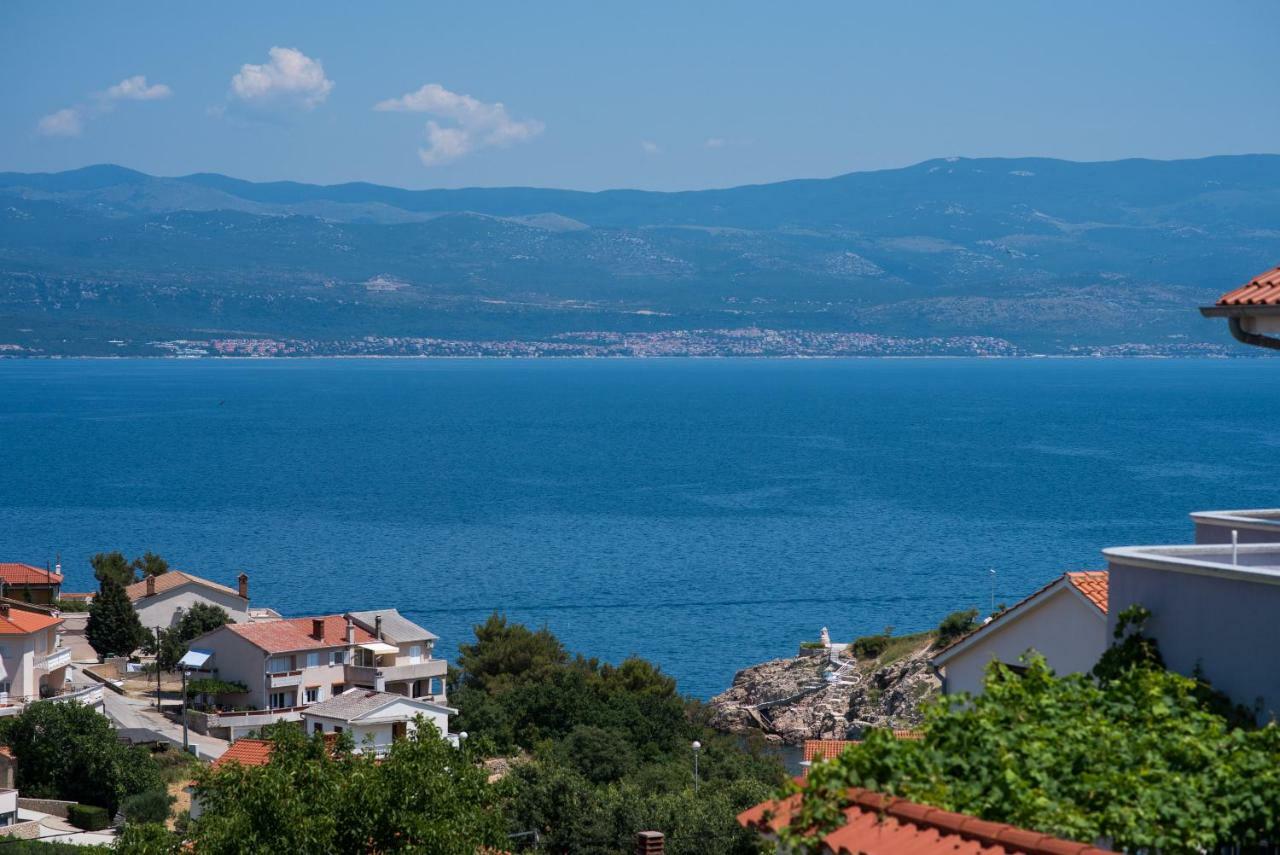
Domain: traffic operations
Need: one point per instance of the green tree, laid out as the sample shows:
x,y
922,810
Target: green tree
x,y
113,566
423,796
507,654
113,628
956,625
147,838
196,621
150,564
69,751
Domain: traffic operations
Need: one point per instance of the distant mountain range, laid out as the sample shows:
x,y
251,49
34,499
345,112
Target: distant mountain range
x,y
1045,255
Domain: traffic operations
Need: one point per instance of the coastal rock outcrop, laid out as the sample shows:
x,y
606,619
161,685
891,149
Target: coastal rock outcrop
x,y
828,696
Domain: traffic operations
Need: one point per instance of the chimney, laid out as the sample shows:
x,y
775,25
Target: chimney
x,y
377,627
151,586
351,631
649,843
317,628
4,610
243,580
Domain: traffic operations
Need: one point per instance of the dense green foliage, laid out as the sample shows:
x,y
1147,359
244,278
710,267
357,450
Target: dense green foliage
x,y
956,625
70,605
603,751
150,564
151,806
88,817
176,640
424,796
113,628
113,566
1141,755
147,838
69,751
870,646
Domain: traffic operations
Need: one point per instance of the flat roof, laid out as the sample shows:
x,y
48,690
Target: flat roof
x,y
1256,518
1254,562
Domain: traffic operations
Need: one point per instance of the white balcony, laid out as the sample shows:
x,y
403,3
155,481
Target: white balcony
x,y
285,679
59,658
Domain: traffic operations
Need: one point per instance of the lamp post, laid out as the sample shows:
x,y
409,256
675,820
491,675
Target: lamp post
x,y
697,747
157,669
186,745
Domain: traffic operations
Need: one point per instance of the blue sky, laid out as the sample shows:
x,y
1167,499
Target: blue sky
x,y
599,94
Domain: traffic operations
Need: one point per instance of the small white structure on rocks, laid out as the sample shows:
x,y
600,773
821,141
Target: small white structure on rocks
x,y
824,637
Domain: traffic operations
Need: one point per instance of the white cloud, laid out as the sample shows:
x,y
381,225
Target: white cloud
x,y
715,142
63,123
70,121
136,89
473,124
650,147
290,78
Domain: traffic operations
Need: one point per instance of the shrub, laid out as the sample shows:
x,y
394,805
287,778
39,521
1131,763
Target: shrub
x,y
71,605
955,625
88,817
870,646
151,806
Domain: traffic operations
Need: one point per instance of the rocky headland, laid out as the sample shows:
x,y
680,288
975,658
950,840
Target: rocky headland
x,y
827,693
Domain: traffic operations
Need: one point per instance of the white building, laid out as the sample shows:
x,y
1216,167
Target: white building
x,y
160,601
375,719
33,663
1065,621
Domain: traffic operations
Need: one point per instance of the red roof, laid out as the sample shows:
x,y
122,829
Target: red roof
x,y
885,825
15,573
1093,584
174,579
284,636
246,752
1262,290
825,749
21,622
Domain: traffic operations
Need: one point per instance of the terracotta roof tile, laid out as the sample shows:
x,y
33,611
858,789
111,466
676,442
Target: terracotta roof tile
x,y
1093,584
174,579
16,573
876,824
20,622
825,749
284,636
246,752
1262,290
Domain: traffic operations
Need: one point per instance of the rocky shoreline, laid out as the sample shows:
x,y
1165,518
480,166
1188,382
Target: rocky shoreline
x,y
828,693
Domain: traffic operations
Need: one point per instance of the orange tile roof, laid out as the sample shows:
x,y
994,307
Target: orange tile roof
x,y
16,573
1262,290
20,622
283,636
1093,584
825,749
246,752
885,825
174,579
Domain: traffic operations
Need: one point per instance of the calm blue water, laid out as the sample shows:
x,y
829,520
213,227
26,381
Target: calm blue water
x,y
705,514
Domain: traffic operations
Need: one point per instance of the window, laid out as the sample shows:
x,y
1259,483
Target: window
x,y
313,694
279,664
313,660
415,654
4,689
337,657
437,686
337,728
317,728
337,689
279,700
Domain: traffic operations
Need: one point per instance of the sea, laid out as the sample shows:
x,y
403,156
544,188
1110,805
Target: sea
x,y
705,514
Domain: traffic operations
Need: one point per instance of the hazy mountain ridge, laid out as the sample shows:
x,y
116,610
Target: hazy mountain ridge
x,y
1047,254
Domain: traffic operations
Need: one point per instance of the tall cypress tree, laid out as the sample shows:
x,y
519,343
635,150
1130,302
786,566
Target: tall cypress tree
x,y
114,628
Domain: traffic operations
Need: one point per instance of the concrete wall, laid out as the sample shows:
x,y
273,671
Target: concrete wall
x,y
1069,632
1229,627
236,660
162,609
1220,532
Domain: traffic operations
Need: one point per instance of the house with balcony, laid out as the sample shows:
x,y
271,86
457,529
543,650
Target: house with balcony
x,y
33,663
1065,622
287,665
29,583
160,601
376,719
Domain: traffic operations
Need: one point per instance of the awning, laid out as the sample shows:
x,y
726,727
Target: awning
x,y
195,658
379,647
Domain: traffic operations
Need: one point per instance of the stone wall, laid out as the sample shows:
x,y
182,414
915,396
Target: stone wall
x,y
53,807
29,830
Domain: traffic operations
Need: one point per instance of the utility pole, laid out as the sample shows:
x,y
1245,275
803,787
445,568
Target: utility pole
x,y
186,745
992,572
158,671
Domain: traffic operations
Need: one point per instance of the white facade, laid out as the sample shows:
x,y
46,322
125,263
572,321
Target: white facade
x,y
1058,622
392,717
165,608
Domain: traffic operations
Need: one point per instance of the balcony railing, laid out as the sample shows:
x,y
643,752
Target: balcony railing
x,y
59,658
379,676
285,678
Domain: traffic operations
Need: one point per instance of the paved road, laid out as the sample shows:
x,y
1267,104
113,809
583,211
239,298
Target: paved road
x,y
129,712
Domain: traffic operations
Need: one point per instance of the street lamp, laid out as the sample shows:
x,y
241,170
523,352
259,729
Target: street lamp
x,y
697,746
186,745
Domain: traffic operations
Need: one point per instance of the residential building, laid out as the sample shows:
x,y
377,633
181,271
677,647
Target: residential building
x,y
1065,621
287,665
1252,310
1213,612
1252,526
33,663
160,601
29,583
375,719
821,750
876,824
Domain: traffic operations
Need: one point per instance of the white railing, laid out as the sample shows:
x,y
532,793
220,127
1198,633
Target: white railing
x,y
288,678
58,659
